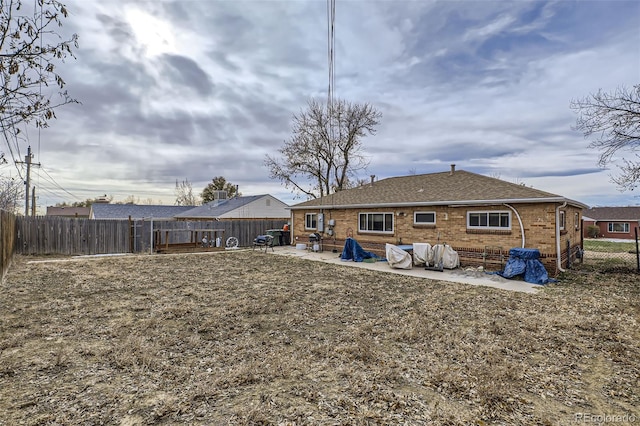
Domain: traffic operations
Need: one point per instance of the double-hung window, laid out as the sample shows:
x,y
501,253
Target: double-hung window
x,y
562,220
424,218
619,227
375,222
489,220
311,221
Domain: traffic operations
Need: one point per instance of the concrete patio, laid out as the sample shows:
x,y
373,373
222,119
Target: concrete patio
x,y
469,276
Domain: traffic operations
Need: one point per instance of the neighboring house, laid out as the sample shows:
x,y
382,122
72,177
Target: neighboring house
x,y
79,212
253,207
614,222
135,212
474,214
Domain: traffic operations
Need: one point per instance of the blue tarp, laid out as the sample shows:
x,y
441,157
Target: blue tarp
x,y
525,262
354,251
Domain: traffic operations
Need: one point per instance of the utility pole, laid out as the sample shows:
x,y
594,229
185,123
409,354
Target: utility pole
x,y
33,201
27,182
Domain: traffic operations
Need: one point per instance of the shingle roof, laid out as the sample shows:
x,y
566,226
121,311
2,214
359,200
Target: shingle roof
x,y
123,211
631,213
217,208
456,187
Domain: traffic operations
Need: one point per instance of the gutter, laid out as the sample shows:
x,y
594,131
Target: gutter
x,y
558,252
440,203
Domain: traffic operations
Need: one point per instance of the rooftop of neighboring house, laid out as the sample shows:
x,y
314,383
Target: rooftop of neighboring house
x,y
217,208
67,211
630,213
135,211
451,187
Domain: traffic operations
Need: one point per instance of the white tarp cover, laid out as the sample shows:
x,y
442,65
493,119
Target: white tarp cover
x,y
398,258
421,254
448,255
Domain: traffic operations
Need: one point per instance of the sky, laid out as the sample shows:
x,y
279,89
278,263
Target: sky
x,y
193,89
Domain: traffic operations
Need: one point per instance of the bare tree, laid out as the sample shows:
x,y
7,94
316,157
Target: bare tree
x,y
132,199
325,151
184,194
29,50
129,199
11,193
615,119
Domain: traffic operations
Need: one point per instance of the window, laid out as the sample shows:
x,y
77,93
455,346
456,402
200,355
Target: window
x,y
311,221
424,218
562,220
489,220
576,220
376,222
618,227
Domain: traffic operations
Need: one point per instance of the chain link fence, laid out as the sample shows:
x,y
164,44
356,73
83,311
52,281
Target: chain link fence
x,y
612,254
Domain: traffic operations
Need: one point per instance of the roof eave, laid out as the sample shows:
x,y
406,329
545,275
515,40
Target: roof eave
x,y
458,203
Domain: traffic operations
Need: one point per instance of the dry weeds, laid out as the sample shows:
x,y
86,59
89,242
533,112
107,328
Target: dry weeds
x,y
249,338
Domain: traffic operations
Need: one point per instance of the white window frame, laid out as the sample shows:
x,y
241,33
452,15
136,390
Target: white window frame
x,y
415,218
563,220
373,231
487,227
314,220
576,219
625,226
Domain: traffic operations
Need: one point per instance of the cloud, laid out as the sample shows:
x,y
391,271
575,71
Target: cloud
x,y
196,89
186,72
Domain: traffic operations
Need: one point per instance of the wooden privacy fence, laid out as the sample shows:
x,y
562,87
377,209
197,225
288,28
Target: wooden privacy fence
x,y
7,239
244,230
38,235
46,235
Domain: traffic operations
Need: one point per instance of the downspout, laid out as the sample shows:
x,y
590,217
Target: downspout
x,y
519,221
558,252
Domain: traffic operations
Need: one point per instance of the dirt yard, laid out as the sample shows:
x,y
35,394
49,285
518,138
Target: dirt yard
x,y
247,338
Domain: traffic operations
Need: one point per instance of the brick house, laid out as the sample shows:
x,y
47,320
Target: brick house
x,y
478,216
613,222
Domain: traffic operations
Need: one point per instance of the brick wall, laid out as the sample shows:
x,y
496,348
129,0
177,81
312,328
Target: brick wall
x,y
538,222
604,230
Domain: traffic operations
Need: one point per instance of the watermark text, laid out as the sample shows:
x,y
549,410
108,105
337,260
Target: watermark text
x,y
605,418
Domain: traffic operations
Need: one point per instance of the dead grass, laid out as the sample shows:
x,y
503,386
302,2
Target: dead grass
x,y
249,338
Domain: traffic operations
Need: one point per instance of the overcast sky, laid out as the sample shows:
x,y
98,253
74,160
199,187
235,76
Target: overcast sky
x,y
189,89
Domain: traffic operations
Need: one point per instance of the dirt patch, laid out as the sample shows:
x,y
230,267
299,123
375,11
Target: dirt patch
x,y
252,338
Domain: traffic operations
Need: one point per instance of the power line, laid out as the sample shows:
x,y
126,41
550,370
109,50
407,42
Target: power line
x,y
11,151
53,181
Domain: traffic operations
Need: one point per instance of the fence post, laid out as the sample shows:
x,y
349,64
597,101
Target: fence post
x,y
132,235
582,241
637,252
